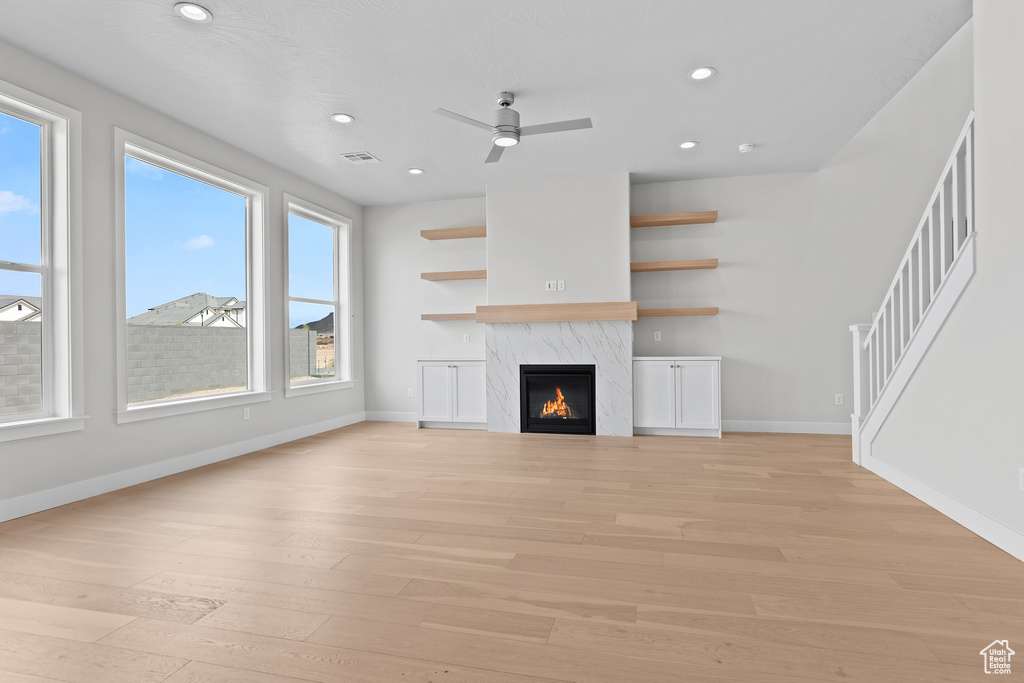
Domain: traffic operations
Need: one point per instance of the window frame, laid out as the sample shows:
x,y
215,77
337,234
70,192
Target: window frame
x,y
342,227
59,267
257,374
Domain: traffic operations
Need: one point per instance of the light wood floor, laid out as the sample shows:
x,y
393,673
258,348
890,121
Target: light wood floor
x,y
383,553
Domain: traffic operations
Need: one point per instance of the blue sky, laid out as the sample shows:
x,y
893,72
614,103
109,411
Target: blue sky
x,y
310,268
181,236
19,203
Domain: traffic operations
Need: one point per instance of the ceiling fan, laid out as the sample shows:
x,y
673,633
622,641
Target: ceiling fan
x,y
506,131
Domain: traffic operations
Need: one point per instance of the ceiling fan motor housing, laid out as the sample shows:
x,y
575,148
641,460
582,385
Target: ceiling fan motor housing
x,y
506,127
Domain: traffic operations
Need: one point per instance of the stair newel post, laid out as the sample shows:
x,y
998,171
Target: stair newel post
x,y
861,379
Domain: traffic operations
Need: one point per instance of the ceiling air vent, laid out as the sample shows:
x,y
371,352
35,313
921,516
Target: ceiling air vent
x,y
361,158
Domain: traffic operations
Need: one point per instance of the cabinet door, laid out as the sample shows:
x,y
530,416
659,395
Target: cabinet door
x,y
435,403
697,394
470,392
653,393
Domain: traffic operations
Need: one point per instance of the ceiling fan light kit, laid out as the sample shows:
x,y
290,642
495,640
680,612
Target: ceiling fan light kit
x,y
505,131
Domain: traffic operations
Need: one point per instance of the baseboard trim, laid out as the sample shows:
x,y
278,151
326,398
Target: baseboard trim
x,y
384,416
773,427
28,504
666,431
451,425
992,530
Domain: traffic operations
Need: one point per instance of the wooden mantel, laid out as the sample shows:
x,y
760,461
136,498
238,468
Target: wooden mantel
x,y
533,313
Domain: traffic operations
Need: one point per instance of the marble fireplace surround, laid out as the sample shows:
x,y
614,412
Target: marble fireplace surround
x,y
608,345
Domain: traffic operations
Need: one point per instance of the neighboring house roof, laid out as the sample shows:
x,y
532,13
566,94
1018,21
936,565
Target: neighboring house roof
x,y
32,305
182,311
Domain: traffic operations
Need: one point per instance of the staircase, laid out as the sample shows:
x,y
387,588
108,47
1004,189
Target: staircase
x,y
934,272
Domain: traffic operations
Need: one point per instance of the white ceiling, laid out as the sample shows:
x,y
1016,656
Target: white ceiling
x,y
796,77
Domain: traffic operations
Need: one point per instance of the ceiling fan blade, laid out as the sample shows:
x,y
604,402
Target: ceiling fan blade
x,y
464,119
495,154
575,124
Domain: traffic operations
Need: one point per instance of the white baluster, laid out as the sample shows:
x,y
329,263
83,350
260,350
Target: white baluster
x,y
969,178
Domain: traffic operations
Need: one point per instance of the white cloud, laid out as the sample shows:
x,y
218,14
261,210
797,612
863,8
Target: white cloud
x,y
141,168
201,242
10,202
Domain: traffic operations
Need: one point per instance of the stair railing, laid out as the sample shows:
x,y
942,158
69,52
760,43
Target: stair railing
x,y
944,231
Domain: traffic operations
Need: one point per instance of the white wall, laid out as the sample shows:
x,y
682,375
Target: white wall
x,y
396,296
801,256
104,447
571,229
956,427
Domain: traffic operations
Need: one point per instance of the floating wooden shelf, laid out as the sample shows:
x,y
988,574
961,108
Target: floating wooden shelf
x,y
655,266
454,233
658,219
455,275
673,312
531,313
448,316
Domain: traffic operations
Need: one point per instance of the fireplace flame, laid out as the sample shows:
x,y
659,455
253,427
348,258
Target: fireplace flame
x,y
557,408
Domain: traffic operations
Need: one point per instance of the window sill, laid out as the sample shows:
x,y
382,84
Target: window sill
x,y
317,387
42,426
192,405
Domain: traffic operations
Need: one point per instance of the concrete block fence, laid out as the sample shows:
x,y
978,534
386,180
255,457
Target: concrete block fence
x,y
163,362
21,367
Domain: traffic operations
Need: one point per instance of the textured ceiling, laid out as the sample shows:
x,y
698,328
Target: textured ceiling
x,y
796,77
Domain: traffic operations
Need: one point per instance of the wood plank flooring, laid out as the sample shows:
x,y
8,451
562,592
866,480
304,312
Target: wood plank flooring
x,y
383,553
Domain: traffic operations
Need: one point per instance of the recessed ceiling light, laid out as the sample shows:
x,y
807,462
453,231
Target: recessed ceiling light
x,y
416,171
342,118
193,12
746,147
700,73
689,144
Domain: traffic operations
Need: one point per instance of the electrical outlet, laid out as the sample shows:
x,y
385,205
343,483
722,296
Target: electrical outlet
x,y
411,393
1021,479
657,335
561,285
465,338
245,413
550,285
839,399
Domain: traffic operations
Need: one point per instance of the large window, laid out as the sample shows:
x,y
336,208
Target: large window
x,y
319,343
35,264
192,309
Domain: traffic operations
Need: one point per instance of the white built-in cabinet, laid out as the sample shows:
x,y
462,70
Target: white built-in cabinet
x,y
677,395
452,393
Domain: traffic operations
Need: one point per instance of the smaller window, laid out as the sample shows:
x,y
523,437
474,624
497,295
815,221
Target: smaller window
x,y
319,346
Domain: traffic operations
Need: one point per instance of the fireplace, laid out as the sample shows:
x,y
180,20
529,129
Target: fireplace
x,y
557,399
